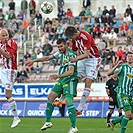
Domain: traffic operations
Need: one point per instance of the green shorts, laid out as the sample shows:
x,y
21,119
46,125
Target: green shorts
x,y
69,89
125,102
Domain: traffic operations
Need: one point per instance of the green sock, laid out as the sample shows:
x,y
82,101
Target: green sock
x,y
72,115
117,120
49,110
124,124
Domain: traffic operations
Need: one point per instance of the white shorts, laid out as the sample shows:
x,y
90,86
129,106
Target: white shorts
x,y
8,77
88,67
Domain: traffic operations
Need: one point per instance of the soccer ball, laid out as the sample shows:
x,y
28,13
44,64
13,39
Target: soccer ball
x,y
46,7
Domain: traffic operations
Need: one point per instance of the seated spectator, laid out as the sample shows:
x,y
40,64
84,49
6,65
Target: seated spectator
x,y
1,19
33,54
20,16
32,17
99,12
60,31
116,25
6,16
127,18
47,48
99,20
108,20
81,15
12,14
105,11
39,53
69,15
15,25
101,45
123,29
53,33
120,54
112,39
61,15
47,22
37,67
96,31
22,74
112,12
55,22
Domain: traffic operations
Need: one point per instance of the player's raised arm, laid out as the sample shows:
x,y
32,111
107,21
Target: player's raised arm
x,y
111,71
45,58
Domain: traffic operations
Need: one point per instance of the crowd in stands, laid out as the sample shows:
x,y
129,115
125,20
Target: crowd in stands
x,y
108,28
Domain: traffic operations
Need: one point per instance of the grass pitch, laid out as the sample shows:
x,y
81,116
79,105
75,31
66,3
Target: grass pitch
x,y
60,125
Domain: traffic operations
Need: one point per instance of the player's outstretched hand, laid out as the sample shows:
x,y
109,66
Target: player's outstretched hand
x,y
53,76
73,59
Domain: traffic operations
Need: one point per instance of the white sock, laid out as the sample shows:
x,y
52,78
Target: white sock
x,y
62,98
83,99
13,107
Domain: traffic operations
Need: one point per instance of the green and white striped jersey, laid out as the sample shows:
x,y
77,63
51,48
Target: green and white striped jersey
x,y
65,63
125,82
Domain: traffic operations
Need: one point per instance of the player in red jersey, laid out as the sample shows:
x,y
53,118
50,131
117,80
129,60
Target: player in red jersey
x,y
8,72
88,59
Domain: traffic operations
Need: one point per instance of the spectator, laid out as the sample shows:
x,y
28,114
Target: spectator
x,y
101,45
12,15
127,18
55,22
116,25
59,31
39,54
96,31
123,29
81,15
120,54
22,74
32,6
53,33
108,20
129,10
60,3
11,5
33,54
69,15
39,18
86,3
112,12
1,5
28,67
99,12
24,6
20,16
1,19
105,11
61,15
113,38
37,67
47,48
99,20
6,16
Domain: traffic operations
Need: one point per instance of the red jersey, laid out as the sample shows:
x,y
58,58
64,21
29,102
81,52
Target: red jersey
x,y
11,48
84,42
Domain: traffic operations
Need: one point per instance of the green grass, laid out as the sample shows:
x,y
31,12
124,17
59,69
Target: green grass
x,y
60,125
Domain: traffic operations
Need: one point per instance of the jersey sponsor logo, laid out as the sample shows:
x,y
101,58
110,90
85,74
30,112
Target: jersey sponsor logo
x,y
65,85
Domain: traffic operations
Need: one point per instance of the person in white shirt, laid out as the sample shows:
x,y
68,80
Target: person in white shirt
x,y
112,39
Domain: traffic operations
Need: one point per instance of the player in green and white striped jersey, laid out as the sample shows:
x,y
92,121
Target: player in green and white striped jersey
x,y
66,83
124,91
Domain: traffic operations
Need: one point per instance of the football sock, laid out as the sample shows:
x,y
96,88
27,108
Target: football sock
x,y
83,99
120,114
108,117
117,120
71,111
49,110
124,124
62,98
13,106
